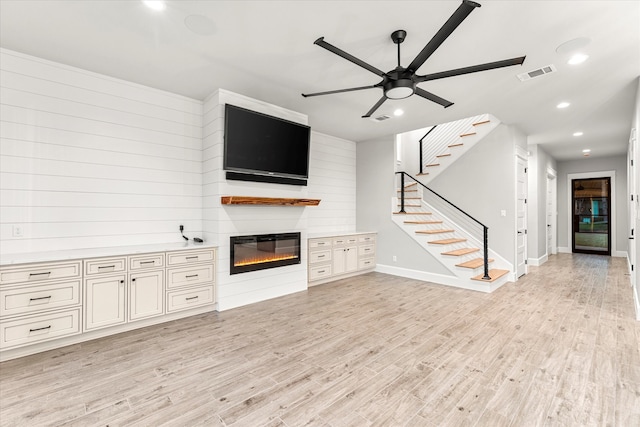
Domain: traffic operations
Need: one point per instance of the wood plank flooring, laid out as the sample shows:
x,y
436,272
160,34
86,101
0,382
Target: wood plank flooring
x,y
557,348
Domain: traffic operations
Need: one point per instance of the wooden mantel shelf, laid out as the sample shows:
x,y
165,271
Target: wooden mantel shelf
x,y
247,200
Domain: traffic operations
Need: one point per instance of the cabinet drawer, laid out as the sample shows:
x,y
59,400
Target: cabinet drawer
x,y
189,298
104,265
189,275
24,331
364,264
367,238
319,256
39,272
317,273
189,257
30,299
337,241
366,250
319,243
139,262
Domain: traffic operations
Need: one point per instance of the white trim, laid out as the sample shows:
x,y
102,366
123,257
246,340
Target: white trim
x,y
613,207
522,153
564,250
620,254
537,262
637,303
552,172
441,279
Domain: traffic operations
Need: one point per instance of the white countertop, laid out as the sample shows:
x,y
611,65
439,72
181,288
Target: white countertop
x,y
338,234
30,257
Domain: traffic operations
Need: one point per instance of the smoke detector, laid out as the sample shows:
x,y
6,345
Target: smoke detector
x,y
537,72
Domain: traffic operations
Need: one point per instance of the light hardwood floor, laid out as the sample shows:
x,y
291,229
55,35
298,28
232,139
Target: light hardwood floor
x,y
558,348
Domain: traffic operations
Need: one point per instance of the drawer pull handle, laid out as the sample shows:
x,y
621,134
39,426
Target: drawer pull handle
x,y
40,329
191,298
106,266
193,275
320,243
320,256
37,299
39,274
147,262
192,257
320,271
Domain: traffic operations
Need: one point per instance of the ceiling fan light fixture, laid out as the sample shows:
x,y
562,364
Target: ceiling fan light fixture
x,y
577,59
399,89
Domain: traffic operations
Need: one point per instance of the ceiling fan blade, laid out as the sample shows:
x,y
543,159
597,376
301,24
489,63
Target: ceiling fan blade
x,y
331,48
452,23
329,92
375,107
433,98
472,69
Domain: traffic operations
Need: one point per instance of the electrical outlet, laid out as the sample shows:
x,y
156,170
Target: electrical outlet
x,y
395,258
17,231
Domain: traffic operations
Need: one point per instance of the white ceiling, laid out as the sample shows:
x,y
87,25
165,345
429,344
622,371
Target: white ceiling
x,y
265,50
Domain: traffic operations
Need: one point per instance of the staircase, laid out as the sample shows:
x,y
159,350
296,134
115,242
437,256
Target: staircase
x,y
451,236
444,144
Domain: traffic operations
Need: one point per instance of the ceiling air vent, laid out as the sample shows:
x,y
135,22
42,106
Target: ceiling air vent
x,y
381,118
537,73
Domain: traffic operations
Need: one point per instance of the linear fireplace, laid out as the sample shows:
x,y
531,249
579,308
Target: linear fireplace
x,y
259,252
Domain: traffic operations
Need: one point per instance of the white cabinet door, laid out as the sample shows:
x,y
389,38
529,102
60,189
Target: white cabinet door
x,y
345,260
146,295
104,301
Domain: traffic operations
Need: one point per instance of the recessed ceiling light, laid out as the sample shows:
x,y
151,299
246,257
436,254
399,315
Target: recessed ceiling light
x,y
578,58
578,133
573,45
586,150
155,4
398,112
563,105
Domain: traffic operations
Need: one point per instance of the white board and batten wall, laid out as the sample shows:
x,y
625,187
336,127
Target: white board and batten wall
x,y
88,161
331,179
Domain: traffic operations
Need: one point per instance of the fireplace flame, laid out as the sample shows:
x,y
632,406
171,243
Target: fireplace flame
x,y
262,260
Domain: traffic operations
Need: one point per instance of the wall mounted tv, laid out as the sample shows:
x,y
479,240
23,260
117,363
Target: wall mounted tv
x,y
263,148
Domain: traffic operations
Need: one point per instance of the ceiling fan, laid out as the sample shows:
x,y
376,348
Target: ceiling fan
x,y
402,82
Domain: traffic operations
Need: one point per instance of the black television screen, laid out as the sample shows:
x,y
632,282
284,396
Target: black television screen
x,y
258,144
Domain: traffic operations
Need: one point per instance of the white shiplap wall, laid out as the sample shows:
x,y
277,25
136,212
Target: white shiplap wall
x,y
332,179
91,161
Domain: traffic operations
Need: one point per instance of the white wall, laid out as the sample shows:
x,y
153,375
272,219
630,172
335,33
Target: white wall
x,y
538,165
87,160
331,179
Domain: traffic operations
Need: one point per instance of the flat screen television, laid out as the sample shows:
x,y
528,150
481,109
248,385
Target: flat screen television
x,y
259,147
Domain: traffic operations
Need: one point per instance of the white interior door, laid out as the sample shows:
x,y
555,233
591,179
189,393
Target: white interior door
x,y
633,207
521,216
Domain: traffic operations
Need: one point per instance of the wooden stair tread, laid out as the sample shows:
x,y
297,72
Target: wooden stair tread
x,y
444,155
412,198
459,144
447,241
411,185
467,134
460,252
495,274
408,191
481,123
432,165
474,263
423,174
423,222
438,231
410,206
412,213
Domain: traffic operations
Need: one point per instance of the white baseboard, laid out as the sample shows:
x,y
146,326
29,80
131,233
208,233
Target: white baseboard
x,y
537,262
441,279
637,302
620,254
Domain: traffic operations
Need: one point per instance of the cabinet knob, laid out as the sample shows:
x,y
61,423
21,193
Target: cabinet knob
x,y
121,281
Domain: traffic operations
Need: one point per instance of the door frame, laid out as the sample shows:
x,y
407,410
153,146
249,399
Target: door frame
x,y
521,155
552,180
613,209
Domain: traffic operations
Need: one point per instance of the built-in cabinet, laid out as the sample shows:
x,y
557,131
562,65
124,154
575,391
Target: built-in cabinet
x,y
335,257
47,305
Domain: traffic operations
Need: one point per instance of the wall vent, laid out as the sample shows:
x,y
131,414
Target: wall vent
x,y
537,73
380,118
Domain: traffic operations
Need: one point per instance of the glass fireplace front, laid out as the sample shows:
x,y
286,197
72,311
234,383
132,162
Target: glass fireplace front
x,y
259,252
